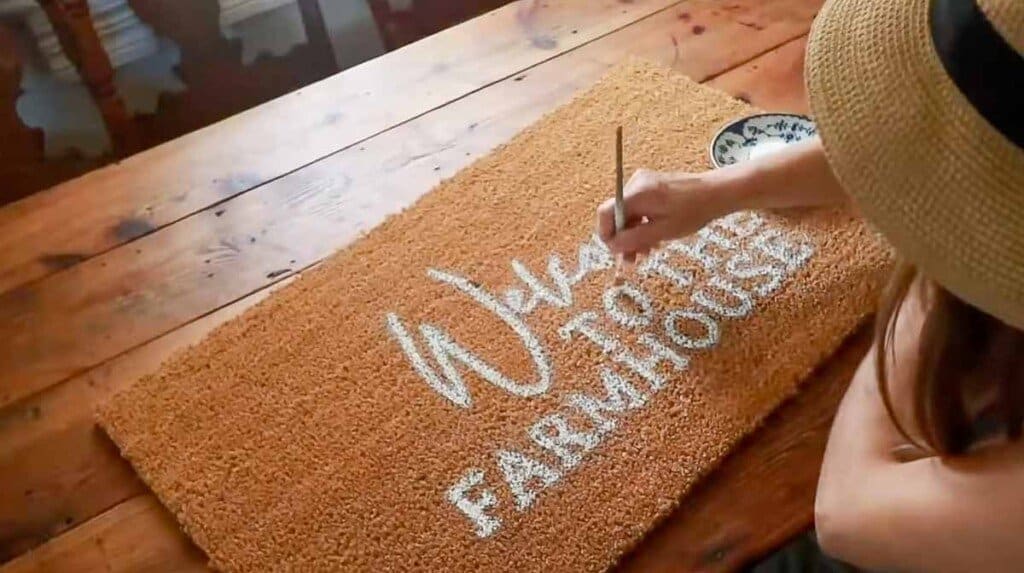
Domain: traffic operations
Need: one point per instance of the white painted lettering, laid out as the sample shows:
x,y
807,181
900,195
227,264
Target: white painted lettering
x,y
742,224
554,434
646,368
446,351
519,470
709,339
657,265
593,256
475,509
698,248
559,295
742,307
620,396
742,266
774,244
626,318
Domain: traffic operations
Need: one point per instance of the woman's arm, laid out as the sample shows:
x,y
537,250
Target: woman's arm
x,y
873,510
663,206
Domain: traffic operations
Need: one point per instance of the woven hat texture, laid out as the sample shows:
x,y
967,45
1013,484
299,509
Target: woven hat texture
x,y
922,164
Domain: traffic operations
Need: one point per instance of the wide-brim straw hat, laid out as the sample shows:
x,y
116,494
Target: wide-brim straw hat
x,y
920,107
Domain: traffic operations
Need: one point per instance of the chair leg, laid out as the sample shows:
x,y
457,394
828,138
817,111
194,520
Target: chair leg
x,y
382,14
74,28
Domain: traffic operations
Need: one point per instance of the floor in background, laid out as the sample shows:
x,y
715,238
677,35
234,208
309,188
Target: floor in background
x,y
801,555
74,138
61,106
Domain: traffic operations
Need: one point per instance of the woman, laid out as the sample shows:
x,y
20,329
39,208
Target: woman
x,y
921,131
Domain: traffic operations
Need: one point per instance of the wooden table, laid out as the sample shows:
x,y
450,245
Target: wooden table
x,y
103,277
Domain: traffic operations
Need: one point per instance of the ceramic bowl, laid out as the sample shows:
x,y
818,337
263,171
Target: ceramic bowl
x,y
757,135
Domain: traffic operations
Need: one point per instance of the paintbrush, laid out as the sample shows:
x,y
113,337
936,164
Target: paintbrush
x,y
620,201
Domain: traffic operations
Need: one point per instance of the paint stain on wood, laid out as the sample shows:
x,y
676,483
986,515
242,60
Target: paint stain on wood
x,y
132,228
527,12
544,42
20,297
698,30
219,212
61,261
684,16
237,183
333,118
277,273
716,553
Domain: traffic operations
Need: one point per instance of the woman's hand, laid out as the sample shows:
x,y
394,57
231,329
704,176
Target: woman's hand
x,y
661,206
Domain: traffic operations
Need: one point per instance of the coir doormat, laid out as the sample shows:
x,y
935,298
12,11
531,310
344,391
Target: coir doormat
x,y
466,388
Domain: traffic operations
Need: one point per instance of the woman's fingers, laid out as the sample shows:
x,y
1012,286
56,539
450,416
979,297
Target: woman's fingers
x,y
640,238
606,220
644,197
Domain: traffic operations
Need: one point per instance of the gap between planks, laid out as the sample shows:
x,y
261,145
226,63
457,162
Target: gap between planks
x,y
119,204
48,421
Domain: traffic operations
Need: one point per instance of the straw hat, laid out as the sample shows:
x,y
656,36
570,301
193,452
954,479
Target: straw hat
x,y
918,107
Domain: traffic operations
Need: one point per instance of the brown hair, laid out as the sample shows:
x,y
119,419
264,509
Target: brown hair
x,y
961,348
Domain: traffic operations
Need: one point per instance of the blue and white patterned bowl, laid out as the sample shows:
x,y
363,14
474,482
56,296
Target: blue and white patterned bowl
x,y
758,135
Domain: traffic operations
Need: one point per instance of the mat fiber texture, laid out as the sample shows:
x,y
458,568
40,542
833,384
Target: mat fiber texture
x,y
467,388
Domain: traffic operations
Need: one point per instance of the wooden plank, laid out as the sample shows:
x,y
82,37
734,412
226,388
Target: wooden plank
x,y
774,75
76,220
59,419
57,469
137,536
141,290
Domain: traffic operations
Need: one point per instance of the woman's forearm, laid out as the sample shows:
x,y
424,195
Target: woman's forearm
x,y
796,176
662,206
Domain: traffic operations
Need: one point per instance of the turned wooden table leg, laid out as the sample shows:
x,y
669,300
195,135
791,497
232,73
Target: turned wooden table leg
x,y
74,28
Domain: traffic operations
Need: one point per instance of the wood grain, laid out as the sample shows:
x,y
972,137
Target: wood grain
x,y
88,476
137,536
121,202
155,284
57,470
774,74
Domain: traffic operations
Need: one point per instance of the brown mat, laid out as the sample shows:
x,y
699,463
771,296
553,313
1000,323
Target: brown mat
x,y
565,416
